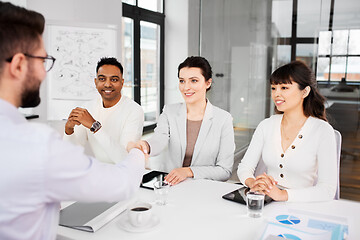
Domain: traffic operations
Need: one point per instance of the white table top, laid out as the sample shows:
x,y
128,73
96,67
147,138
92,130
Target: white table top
x,y
196,210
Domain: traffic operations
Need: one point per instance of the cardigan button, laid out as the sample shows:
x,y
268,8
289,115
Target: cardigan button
x,y
282,155
281,166
293,146
282,175
300,136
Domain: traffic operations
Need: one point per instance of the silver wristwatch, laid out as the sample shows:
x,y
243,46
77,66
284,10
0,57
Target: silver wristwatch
x,y
95,126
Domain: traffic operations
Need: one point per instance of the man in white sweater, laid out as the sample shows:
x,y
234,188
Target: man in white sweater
x,y
109,123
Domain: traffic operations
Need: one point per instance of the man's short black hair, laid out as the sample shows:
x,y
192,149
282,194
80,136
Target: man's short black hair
x,y
109,61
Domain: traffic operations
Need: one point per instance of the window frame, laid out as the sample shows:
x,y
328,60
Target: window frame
x,y
138,14
294,40
331,56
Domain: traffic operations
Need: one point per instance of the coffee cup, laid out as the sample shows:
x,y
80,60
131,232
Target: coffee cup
x,y
140,214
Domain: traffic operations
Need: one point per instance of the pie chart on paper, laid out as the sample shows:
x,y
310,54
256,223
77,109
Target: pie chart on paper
x,y
288,220
289,236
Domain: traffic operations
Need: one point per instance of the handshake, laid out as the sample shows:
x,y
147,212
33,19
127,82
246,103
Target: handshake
x,y
142,145
175,176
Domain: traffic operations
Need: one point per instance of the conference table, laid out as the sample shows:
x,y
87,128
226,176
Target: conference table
x,y
196,210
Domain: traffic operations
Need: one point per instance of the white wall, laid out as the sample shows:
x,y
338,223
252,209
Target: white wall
x,y
96,12
90,13
176,46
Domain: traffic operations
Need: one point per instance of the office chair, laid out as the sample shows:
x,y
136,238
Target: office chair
x,y
338,151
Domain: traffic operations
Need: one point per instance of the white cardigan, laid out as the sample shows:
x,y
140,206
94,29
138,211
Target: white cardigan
x,y
213,155
121,124
308,168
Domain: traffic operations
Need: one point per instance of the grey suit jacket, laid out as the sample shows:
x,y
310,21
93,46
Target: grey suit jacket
x,y
213,155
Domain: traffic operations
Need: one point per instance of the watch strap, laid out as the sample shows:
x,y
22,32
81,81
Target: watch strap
x,y
95,126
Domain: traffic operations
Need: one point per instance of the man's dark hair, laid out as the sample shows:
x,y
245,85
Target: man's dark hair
x,y
19,15
109,61
20,31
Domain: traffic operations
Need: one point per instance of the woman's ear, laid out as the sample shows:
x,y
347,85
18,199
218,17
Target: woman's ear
x,y
208,83
306,91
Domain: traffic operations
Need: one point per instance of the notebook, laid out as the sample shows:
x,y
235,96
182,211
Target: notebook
x,y
91,217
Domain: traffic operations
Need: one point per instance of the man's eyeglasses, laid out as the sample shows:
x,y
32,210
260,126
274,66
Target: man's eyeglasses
x,y
48,60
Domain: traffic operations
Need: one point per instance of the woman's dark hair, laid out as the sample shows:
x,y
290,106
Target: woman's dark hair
x,y
300,73
198,62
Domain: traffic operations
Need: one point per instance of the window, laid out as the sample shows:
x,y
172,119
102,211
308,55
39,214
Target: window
x,y
339,56
332,54
143,56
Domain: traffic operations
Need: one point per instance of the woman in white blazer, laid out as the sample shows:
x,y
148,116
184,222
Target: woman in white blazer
x,y
199,136
297,145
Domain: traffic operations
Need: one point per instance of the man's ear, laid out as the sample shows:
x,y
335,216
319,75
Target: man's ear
x,y
18,66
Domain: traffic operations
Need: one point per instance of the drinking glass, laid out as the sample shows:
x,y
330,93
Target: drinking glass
x,y
161,190
255,204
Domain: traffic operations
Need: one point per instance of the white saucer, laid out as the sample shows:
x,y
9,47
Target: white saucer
x,y
125,224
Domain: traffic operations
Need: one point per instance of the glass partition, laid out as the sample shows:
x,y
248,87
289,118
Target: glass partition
x,y
236,40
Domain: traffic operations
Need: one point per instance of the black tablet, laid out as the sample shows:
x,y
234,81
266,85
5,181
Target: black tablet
x,y
239,196
150,178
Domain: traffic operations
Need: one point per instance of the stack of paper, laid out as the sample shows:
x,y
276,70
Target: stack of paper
x,y
297,225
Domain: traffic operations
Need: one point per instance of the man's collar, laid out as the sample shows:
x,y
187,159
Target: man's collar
x,y
11,111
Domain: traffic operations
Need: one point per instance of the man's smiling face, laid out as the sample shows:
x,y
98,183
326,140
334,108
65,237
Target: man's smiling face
x,y
109,83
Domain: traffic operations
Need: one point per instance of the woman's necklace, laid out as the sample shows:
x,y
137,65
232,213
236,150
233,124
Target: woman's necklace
x,y
293,131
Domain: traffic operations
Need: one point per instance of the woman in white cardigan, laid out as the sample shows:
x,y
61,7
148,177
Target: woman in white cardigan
x,y
199,136
297,145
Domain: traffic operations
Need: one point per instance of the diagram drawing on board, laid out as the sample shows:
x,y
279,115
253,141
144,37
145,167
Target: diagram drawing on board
x,y
77,50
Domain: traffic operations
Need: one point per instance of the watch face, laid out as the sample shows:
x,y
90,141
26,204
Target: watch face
x,y
96,126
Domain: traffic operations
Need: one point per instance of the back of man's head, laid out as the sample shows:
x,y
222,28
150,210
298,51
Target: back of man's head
x,y
109,61
20,31
17,15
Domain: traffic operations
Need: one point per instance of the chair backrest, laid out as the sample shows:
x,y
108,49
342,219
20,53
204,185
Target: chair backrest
x,y
261,168
338,151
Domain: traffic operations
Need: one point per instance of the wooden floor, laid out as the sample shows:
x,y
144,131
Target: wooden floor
x,y
346,119
350,166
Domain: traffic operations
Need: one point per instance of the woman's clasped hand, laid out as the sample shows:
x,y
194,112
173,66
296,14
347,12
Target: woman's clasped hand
x,y
267,185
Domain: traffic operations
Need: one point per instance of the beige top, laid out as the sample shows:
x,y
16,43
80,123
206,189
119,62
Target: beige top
x,y
192,132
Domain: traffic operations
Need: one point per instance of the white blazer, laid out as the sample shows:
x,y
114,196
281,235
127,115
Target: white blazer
x,y
213,155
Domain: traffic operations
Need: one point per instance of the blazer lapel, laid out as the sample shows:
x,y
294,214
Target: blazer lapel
x,y
204,130
181,127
